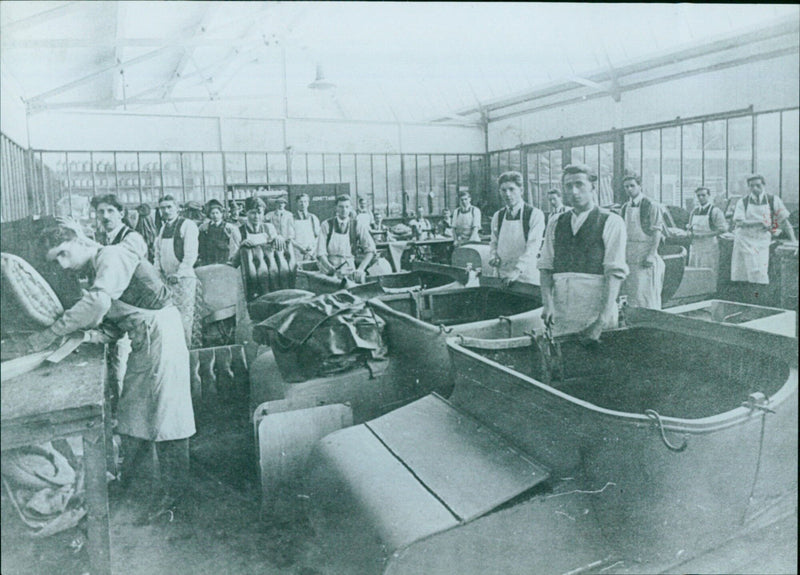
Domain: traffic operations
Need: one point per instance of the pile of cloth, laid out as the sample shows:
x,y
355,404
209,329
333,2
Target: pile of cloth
x,y
325,335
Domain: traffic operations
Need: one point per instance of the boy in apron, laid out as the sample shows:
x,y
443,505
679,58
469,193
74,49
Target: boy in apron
x,y
706,222
306,231
340,240
643,224
466,220
155,405
756,219
517,232
582,263
218,240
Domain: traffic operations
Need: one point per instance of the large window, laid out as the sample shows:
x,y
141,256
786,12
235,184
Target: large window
x,y
692,162
790,160
740,154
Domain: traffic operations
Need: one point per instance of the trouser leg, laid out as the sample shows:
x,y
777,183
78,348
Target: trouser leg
x,y
135,452
173,459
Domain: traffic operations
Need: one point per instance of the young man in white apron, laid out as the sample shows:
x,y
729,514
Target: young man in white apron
x,y
283,220
517,232
582,263
176,251
466,220
155,405
643,224
340,240
756,219
706,222
306,231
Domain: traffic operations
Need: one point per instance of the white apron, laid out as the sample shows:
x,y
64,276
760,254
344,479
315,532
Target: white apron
x,y
184,293
510,246
577,302
704,252
304,239
156,401
340,252
462,227
643,285
750,258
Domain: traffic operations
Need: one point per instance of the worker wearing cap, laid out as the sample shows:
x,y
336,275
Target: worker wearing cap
x,y
582,263
517,232
283,220
306,230
364,217
466,220
218,240
193,210
756,219
341,241
176,250
644,223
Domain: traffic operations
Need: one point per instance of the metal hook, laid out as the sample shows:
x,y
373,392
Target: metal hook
x,y
652,414
443,329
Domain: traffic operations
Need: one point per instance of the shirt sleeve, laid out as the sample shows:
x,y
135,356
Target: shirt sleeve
x,y
157,250
365,241
114,270
191,246
290,232
234,240
718,220
322,243
493,241
135,242
781,213
615,239
476,217
656,217
548,247
527,260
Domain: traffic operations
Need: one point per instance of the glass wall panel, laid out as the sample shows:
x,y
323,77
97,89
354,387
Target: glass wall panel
x,y
423,185
578,155
714,146
438,183
410,180
740,154
127,179
651,164
315,169
193,177
692,172
451,175
477,183
395,192
104,172
298,167
544,175
276,164
633,152
515,160
768,148
331,167
671,166
533,181
605,175
150,175
591,157
364,175
349,173
380,199
54,172
494,170
212,165
791,160
256,169
171,174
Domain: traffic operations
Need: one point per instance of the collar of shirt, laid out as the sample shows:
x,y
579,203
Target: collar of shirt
x,y
703,210
341,224
513,212
758,200
302,215
576,220
635,202
112,235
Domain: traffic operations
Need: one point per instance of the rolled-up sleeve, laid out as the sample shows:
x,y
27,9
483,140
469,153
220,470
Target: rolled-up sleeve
x,y
739,212
191,247
548,249
322,239
781,213
615,238
656,217
718,221
527,261
493,241
114,267
365,242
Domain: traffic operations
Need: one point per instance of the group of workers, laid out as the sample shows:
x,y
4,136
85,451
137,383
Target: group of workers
x,y
583,256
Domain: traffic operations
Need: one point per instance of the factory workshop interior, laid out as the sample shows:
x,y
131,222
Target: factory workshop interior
x,y
334,288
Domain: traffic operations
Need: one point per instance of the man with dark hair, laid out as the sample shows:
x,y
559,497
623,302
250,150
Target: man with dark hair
x,y
155,405
341,241
363,216
556,203
756,219
113,231
218,240
582,261
306,230
706,222
644,223
466,220
517,232
176,251
283,220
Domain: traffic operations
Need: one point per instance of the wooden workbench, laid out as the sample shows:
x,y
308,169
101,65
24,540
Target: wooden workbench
x,y
61,400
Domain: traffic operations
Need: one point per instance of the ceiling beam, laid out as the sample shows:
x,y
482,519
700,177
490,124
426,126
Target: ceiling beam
x,y
41,17
188,51
117,80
